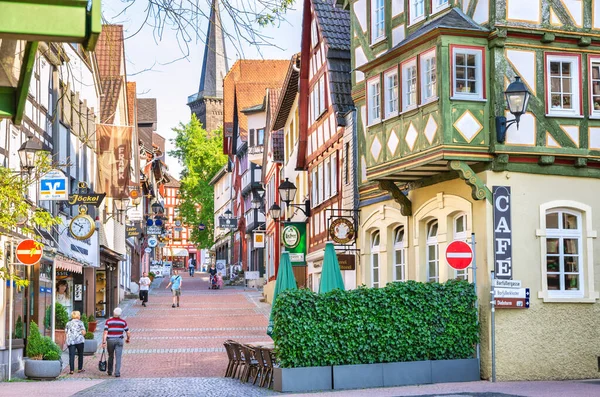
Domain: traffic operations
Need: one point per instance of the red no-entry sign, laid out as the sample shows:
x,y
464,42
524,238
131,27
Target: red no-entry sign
x,y
28,252
459,255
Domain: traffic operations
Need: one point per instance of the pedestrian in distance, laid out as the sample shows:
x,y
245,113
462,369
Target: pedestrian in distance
x,y
75,331
144,287
112,339
192,266
213,274
175,284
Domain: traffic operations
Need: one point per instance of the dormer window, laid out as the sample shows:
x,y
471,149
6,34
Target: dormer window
x,y
377,20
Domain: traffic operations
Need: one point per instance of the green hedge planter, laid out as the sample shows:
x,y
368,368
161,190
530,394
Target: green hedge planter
x,y
293,380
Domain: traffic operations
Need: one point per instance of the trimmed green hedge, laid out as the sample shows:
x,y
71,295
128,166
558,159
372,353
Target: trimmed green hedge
x,y
405,321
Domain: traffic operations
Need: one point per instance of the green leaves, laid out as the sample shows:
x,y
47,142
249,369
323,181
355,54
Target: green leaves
x,y
201,154
406,321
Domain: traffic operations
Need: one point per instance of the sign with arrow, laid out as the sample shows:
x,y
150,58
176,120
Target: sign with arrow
x,y
511,298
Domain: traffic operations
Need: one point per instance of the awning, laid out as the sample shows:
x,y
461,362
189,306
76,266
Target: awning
x,y
178,252
68,264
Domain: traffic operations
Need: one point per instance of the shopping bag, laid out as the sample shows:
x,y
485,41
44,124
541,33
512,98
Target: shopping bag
x,y
102,362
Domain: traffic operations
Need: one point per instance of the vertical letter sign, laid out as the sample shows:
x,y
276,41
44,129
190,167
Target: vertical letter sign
x,y
502,233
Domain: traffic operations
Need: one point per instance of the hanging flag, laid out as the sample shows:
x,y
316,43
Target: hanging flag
x,y
114,144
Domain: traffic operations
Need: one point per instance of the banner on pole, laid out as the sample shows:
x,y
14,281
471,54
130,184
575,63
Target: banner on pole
x,y
114,144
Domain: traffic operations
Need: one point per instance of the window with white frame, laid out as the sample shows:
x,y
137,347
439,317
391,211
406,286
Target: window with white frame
x,y
375,241
317,99
324,180
409,85
467,73
315,187
399,255
391,93
377,20
374,101
428,76
564,261
432,254
460,234
334,174
327,169
321,192
417,11
562,82
314,33
595,87
439,5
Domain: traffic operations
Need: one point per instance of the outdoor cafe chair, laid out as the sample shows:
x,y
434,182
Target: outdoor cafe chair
x,y
231,357
238,359
269,357
250,364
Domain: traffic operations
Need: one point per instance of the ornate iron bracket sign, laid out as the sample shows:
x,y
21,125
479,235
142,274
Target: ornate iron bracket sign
x,y
399,197
342,226
479,191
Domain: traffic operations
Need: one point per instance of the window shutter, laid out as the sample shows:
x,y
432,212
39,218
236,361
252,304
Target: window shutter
x,y
251,137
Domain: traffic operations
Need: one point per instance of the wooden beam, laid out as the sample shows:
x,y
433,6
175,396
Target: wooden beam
x,y
399,197
25,80
479,191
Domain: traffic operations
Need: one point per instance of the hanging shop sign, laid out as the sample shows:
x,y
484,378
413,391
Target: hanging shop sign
x,y
54,186
152,242
341,231
148,250
293,237
228,223
153,230
87,199
259,240
502,233
347,261
133,231
201,227
82,226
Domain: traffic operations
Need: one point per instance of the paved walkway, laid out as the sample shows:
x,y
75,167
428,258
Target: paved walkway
x,y
179,352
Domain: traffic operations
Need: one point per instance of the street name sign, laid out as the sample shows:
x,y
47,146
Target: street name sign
x,y
459,255
511,303
506,283
522,293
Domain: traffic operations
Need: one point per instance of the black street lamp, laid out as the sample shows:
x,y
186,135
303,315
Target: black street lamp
x,y
228,214
287,192
30,153
517,98
275,211
157,208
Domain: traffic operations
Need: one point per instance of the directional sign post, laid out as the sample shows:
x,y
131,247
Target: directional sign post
x,y
459,255
28,252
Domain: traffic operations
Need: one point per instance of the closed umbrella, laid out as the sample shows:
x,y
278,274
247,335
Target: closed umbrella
x,y
285,280
331,275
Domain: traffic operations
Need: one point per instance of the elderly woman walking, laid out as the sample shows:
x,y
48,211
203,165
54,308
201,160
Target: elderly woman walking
x,y
75,331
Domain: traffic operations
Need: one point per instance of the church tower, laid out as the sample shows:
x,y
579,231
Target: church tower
x,y
207,104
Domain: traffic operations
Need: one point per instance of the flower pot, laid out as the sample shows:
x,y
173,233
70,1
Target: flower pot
x,y
61,338
90,346
42,369
92,326
293,380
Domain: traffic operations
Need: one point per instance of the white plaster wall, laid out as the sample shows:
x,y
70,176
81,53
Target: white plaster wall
x,y
360,10
397,7
528,11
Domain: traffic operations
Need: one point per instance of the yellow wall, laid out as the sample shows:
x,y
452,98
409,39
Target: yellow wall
x,y
551,340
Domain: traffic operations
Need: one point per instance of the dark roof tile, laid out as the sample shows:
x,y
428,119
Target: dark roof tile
x,y
334,24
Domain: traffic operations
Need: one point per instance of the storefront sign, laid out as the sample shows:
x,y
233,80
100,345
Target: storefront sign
x,y
133,231
259,240
347,262
228,223
78,292
293,237
502,233
86,199
54,186
153,230
341,231
152,242
148,250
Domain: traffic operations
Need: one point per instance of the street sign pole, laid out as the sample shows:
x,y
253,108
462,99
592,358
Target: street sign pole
x,y
12,309
493,302
475,288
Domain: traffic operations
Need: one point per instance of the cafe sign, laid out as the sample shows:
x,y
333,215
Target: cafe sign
x,y
503,268
341,231
347,262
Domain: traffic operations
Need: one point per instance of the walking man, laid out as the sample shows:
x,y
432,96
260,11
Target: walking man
x,y
175,284
144,287
112,338
192,266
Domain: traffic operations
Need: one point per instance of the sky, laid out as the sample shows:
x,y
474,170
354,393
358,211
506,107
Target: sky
x,y
158,71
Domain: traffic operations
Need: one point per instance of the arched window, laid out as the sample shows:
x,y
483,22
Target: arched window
x,y
432,257
460,233
399,255
375,240
564,265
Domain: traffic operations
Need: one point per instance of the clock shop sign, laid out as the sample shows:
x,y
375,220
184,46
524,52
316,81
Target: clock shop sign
x,y
86,199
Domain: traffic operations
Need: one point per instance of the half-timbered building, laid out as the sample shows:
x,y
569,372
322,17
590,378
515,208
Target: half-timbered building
x,y
428,82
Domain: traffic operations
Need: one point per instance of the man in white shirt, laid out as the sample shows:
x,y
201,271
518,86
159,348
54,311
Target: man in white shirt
x,y
144,287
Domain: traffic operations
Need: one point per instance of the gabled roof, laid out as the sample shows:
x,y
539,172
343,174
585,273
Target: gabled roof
x,y
110,98
244,87
110,55
453,19
272,99
132,103
334,24
289,91
173,182
147,112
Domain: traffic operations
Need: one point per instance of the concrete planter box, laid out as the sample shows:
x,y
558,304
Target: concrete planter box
x,y
291,380
407,373
359,376
42,369
89,347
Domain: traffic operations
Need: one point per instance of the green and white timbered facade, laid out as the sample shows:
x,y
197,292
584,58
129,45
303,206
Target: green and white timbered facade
x,y
428,82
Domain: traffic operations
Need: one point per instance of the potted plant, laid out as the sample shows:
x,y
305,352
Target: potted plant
x,y
92,323
61,318
44,356
151,276
573,283
90,344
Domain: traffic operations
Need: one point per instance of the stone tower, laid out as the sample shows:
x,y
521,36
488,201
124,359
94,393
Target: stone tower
x,y
207,104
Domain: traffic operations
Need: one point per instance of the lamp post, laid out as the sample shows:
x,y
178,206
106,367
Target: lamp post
x,y
287,192
517,98
157,208
275,212
30,153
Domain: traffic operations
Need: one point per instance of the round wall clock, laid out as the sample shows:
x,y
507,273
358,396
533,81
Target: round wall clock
x,y
82,226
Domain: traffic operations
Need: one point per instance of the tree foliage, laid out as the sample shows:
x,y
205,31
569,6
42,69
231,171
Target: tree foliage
x,y
201,155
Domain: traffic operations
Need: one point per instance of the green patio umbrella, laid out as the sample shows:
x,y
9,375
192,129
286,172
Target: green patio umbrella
x,y
331,275
285,280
